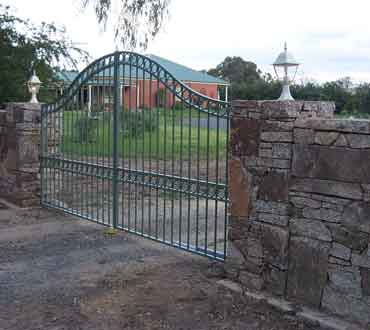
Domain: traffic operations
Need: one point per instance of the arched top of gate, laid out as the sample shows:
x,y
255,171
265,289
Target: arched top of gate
x,y
149,68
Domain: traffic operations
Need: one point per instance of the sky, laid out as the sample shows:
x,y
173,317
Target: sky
x,y
330,38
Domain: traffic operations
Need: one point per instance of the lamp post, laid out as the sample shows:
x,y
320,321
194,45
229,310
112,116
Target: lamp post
x,y
33,85
285,67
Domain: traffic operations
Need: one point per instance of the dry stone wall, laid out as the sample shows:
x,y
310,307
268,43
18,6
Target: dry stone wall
x,y
19,153
300,205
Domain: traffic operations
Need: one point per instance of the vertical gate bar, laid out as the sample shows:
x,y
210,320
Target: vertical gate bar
x,y
164,183
143,142
189,173
135,137
43,151
115,138
227,178
173,166
198,177
104,149
157,151
129,132
121,134
181,166
207,181
150,146
217,180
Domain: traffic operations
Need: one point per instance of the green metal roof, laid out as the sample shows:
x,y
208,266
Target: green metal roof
x,y
179,71
184,73
66,76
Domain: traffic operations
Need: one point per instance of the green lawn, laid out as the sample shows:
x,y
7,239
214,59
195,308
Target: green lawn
x,y
162,137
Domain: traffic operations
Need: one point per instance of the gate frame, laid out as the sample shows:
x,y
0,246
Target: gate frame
x,y
163,76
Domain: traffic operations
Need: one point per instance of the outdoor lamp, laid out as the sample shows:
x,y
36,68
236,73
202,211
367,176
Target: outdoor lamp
x,y
285,67
33,85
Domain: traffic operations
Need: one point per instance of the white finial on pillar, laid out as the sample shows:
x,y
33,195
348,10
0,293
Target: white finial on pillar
x,y
33,85
284,62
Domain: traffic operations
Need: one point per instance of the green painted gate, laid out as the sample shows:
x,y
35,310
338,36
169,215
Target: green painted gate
x,y
129,146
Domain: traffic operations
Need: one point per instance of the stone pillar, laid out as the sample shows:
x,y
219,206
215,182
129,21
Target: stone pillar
x,y
19,153
300,209
260,170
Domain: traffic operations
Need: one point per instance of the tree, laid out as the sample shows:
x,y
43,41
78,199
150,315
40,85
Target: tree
x,y
137,22
247,81
25,46
236,70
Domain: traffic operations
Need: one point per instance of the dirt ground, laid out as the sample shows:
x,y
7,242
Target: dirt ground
x,y
59,273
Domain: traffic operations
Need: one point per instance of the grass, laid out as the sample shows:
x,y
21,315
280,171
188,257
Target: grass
x,y
167,139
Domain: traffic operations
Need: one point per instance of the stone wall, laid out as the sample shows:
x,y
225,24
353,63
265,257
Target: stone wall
x,y
19,153
300,205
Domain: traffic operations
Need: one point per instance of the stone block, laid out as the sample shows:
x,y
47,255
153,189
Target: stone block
x,y
235,260
254,247
244,137
272,207
274,219
338,261
365,281
275,242
303,136
274,280
361,260
276,137
331,163
326,138
340,251
346,306
302,202
343,294
311,229
341,141
251,281
357,215
307,273
274,187
239,183
281,109
327,187
346,280
265,153
337,125
238,227
350,237
23,112
281,163
320,108
366,188
358,141
28,149
277,126
282,150
323,214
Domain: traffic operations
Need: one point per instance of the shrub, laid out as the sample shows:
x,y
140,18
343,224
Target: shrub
x,y
135,123
84,129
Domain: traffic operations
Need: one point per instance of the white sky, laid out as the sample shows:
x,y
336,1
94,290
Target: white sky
x,y
330,37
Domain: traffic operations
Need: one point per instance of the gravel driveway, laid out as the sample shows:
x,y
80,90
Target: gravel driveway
x,y
58,272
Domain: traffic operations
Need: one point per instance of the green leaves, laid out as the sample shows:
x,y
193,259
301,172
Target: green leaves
x,y
137,21
24,46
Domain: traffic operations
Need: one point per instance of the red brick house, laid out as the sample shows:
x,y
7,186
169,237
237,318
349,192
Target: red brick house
x,y
141,93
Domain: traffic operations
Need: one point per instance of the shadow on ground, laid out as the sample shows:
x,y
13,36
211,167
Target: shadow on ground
x,y
58,272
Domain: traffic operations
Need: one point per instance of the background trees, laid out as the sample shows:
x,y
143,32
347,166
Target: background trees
x,y
248,82
24,46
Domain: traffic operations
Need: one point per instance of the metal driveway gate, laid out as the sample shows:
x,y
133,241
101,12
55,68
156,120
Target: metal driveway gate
x,y
129,146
